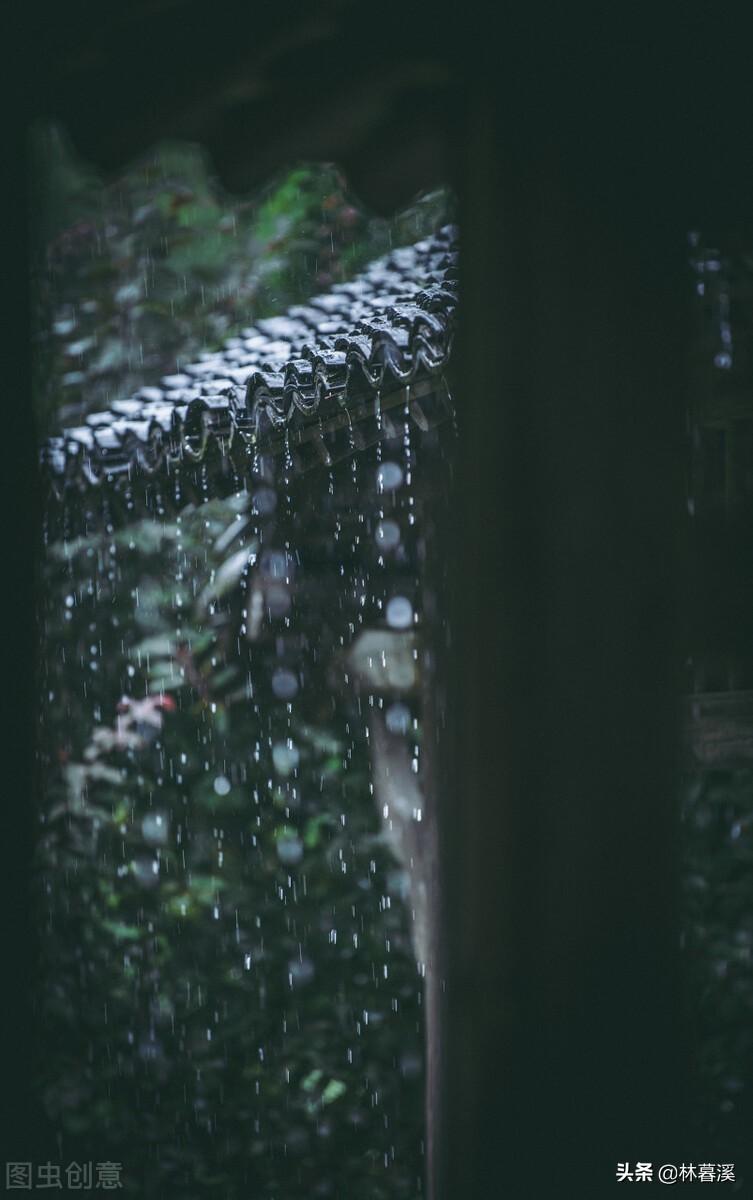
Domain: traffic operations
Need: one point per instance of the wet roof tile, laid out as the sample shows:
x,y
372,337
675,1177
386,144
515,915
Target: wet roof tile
x,y
393,324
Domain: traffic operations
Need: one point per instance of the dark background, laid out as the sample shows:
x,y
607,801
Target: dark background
x,y
583,150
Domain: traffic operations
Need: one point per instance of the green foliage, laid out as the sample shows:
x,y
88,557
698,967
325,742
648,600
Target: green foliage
x,y
222,975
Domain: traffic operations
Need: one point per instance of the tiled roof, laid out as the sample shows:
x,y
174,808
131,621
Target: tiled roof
x,y
327,363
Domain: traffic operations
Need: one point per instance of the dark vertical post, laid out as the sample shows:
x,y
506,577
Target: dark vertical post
x,y
561,1016
20,1120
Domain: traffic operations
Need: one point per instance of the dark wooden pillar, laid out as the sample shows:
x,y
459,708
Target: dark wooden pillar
x,y
561,1020
21,1121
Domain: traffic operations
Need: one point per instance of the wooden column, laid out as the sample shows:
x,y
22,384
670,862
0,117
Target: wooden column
x,y
562,1019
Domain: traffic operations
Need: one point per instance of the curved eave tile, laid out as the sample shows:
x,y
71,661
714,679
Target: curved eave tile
x,y
385,329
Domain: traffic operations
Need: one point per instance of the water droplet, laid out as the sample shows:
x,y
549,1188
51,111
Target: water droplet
x,y
154,828
387,535
397,718
301,971
284,684
285,758
289,850
410,1066
146,871
389,477
399,613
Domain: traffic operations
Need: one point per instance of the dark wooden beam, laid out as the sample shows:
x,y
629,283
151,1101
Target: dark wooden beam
x,y
562,1027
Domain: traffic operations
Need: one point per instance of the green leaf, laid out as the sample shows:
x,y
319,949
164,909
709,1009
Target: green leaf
x,y
283,832
122,932
312,834
333,1091
181,906
159,645
331,766
227,576
204,888
224,677
309,1083
320,739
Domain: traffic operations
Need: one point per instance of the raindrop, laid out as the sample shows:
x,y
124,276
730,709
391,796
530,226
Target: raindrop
x,y
290,850
154,829
301,971
398,718
285,758
399,613
284,684
387,535
222,785
389,477
146,871
410,1066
